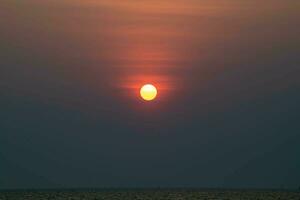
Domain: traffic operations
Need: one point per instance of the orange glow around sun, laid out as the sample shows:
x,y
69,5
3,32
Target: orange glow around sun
x,y
148,92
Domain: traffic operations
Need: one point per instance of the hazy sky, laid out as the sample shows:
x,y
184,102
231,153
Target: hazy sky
x,y
227,113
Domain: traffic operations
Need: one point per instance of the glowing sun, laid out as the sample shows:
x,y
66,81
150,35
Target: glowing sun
x,y
148,92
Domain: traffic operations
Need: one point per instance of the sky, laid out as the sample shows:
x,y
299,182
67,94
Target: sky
x,y
226,114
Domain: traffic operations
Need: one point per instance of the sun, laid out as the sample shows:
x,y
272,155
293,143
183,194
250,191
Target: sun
x,y
148,92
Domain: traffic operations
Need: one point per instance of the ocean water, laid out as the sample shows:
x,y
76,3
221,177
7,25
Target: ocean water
x,y
149,194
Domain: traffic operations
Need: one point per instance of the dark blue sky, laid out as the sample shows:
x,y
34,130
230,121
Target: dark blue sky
x,y
227,112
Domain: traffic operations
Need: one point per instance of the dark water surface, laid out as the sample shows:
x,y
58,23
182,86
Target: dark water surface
x,y
178,194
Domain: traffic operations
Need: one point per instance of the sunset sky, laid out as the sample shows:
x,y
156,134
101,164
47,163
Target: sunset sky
x,y
226,114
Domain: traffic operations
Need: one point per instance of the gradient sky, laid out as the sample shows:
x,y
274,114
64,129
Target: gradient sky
x,y
228,77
